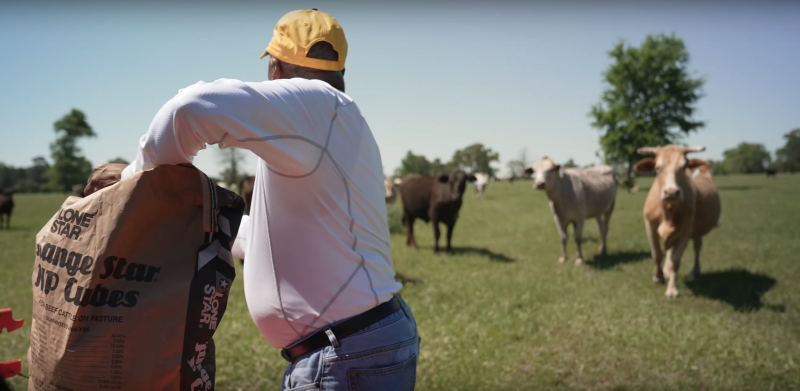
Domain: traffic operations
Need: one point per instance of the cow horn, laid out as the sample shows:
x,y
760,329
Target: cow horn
x,y
694,149
647,150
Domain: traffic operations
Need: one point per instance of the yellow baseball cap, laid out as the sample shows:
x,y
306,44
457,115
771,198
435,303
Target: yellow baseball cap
x,y
297,31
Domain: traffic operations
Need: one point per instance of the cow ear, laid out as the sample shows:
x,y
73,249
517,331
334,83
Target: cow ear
x,y
443,178
557,167
472,178
529,170
645,166
696,163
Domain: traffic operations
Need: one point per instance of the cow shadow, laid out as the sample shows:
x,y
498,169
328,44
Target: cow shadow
x,y
609,261
738,287
493,256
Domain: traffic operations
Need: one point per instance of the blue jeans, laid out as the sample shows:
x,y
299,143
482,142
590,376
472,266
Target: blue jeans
x,y
381,357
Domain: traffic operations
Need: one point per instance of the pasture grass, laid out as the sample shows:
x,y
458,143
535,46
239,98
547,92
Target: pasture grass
x,y
500,313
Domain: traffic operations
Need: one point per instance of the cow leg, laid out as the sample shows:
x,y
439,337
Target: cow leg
x,y
601,227
436,235
578,237
698,245
562,233
450,226
604,231
671,266
408,222
655,250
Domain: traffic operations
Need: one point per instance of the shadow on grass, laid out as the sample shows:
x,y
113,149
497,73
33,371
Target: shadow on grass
x,y
403,279
738,187
738,287
608,261
493,256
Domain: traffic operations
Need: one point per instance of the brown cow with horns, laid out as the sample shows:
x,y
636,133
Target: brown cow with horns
x,y
683,204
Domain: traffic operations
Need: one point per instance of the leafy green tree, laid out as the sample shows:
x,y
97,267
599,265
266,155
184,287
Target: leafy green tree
x,y
232,158
570,164
649,101
788,157
419,164
747,158
474,158
119,160
69,167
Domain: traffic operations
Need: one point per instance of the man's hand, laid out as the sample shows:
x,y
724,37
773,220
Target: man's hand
x,y
104,176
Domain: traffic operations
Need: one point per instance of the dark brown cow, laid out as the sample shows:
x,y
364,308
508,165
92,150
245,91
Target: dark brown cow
x,y
433,199
6,206
246,191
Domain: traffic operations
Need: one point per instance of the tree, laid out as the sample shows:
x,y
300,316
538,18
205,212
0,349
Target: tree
x,y
474,158
232,158
69,167
570,164
649,101
517,166
788,157
118,160
419,164
747,158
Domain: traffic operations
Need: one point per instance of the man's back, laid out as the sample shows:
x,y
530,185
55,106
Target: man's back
x,y
320,202
318,241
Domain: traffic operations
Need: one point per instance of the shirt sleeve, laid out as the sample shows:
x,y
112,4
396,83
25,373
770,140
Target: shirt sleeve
x,y
233,113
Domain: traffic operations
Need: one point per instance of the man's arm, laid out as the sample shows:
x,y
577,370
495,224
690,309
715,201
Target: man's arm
x,y
230,113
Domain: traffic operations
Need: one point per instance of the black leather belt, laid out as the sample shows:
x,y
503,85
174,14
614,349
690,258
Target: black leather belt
x,y
341,330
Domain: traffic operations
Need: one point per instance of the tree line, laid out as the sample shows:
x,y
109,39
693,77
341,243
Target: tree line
x,y
68,168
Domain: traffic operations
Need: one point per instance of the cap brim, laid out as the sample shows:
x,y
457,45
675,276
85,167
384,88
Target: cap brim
x,y
266,53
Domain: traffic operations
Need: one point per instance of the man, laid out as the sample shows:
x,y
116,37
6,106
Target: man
x,y
318,280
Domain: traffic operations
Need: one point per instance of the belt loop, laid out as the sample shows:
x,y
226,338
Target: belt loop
x,y
332,338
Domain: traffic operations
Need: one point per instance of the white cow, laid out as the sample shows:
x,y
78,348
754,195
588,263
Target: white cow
x,y
391,189
576,195
479,187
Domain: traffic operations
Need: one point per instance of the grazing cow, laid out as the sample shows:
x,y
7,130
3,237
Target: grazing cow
x,y
6,206
479,186
391,189
436,199
771,172
576,195
246,191
78,190
683,204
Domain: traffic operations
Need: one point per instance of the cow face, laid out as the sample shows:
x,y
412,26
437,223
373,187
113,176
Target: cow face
x,y
389,187
457,183
546,173
671,167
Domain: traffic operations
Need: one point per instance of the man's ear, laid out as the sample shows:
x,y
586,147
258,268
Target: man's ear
x,y
645,166
529,170
443,178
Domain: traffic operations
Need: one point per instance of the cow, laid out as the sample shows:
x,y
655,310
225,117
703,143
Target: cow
x,y
683,204
246,191
77,190
771,172
390,186
6,207
479,186
576,195
434,199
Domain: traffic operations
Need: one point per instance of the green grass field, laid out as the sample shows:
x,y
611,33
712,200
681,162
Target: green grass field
x,y
500,313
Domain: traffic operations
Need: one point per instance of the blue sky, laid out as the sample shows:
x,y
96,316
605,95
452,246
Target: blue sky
x,y
428,78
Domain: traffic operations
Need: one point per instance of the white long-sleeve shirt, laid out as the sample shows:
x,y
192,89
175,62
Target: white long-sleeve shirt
x,y
317,241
